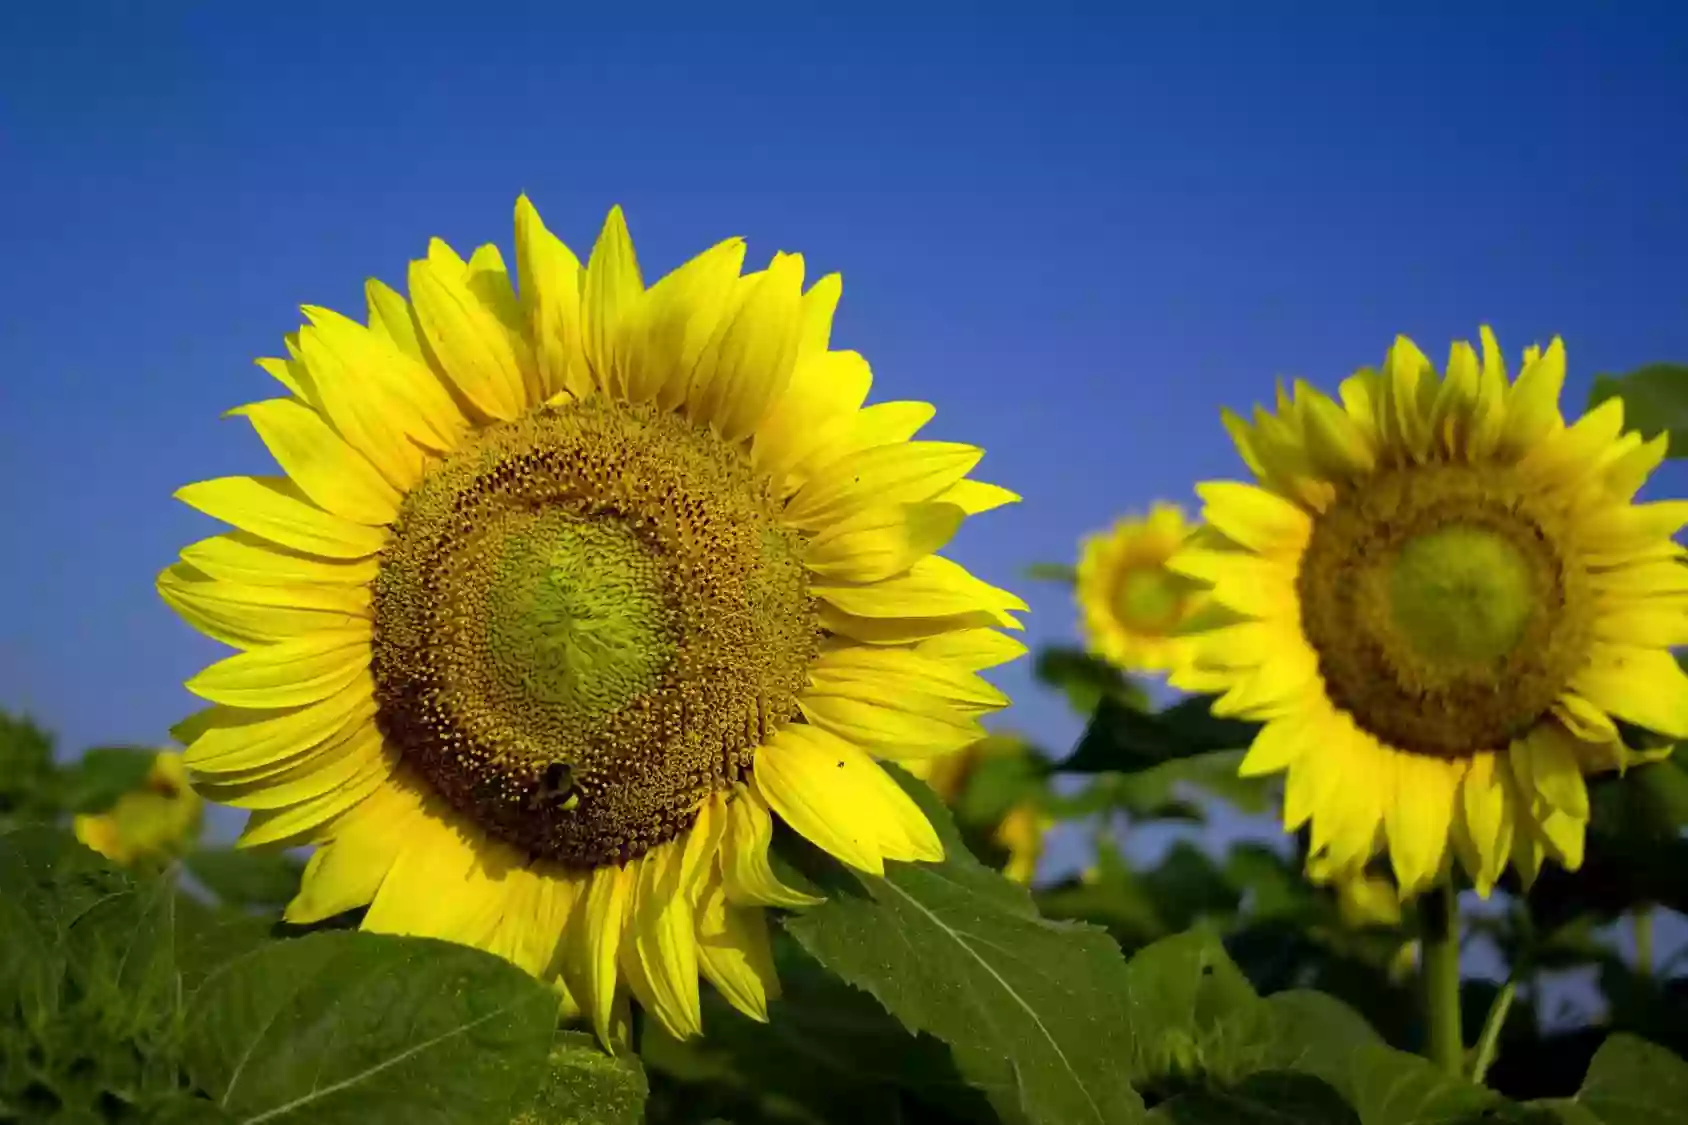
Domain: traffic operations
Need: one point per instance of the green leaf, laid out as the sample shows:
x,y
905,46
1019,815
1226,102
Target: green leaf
x,y
1029,1007
353,1027
1314,1033
1124,739
1655,401
585,1086
28,777
1064,573
103,774
1629,1082
828,1053
1087,679
1267,1098
246,878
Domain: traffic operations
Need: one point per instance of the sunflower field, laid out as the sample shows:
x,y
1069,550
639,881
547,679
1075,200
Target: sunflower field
x,y
608,703
594,641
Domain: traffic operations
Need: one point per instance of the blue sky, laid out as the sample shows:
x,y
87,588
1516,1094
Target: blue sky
x,y
1077,228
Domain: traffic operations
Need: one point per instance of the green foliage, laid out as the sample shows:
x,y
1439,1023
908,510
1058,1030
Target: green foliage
x,y
1630,1082
1125,739
1087,680
245,878
1655,401
124,999
1027,1006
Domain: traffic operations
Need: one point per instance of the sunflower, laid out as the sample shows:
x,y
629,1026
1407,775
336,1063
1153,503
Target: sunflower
x,y
1132,607
1441,598
564,592
1016,831
150,825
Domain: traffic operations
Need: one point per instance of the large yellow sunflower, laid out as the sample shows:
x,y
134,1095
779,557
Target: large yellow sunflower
x,y
1442,597
568,584
1133,609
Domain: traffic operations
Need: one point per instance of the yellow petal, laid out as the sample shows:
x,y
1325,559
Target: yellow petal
x,y
489,281
839,799
975,496
1641,686
905,473
1336,444
244,615
472,347
1276,747
1404,411
229,739
289,674
550,289
244,558
884,423
933,587
1610,536
1532,405
904,630
1488,415
883,541
664,336
1418,817
1247,583
275,509
447,882
825,390
1554,770
608,291
659,956
304,823
378,395
592,943
293,375
972,649
889,671
335,476
1656,623
905,726
1487,807
1255,518
733,952
392,318
328,767
746,367
746,875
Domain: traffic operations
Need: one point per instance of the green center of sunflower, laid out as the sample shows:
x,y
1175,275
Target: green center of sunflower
x,y
1148,599
1445,607
586,622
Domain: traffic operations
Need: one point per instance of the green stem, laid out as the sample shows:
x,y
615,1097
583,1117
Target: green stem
x,y
1438,915
1644,941
1489,1042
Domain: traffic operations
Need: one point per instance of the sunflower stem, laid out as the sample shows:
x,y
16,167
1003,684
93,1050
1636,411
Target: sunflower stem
x,y
1438,916
1489,1042
1643,923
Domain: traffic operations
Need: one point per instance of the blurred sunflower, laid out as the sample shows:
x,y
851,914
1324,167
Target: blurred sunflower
x,y
563,593
1018,830
1131,606
151,825
1442,596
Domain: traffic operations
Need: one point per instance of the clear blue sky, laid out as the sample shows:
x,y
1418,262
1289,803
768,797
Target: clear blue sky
x,y
1078,229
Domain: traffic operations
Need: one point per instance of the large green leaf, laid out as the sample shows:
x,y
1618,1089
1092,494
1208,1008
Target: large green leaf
x,y
1267,1098
1030,1007
828,1053
1655,401
1630,1082
352,1027
1126,739
1087,679
585,1086
244,877
1200,1027
28,778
